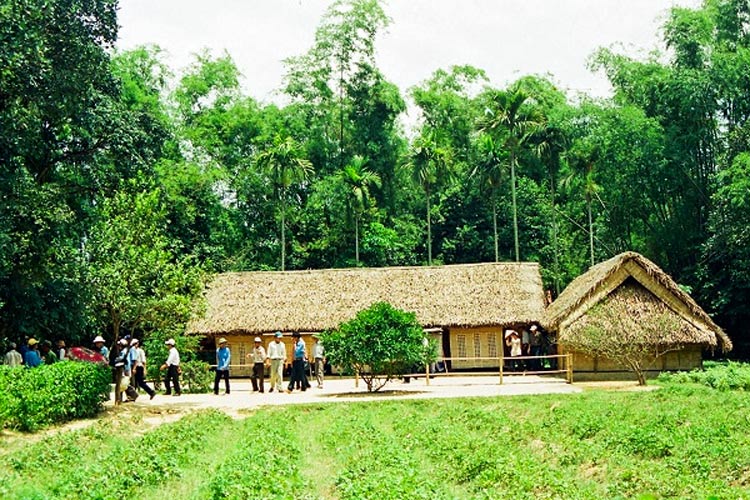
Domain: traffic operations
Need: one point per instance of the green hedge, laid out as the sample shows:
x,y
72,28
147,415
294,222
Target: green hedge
x,y
34,398
724,376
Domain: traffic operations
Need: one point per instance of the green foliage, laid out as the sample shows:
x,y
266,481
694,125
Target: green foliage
x,y
381,342
34,398
727,376
196,377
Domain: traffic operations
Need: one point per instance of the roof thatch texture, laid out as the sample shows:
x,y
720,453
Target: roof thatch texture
x,y
309,301
599,285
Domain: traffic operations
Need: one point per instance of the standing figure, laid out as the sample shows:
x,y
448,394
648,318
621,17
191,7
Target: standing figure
x,y
172,365
513,341
138,361
100,347
318,353
122,370
32,359
536,347
258,356
61,351
48,355
277,356
13,357
223,356
298,364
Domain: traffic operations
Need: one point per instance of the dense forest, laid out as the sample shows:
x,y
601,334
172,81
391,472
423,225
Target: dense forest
x,y
125,184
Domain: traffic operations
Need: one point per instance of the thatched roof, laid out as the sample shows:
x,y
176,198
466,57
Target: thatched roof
x,y
308,301
659,295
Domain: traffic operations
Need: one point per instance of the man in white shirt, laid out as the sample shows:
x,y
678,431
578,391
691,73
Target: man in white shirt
x,y
13,357
172,365
319,356
138,358
277,355
258,355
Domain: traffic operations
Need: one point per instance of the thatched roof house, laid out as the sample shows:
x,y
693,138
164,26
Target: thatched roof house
x,y
464,295
636,292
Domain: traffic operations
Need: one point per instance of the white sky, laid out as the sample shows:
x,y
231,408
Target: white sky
x,y
506,38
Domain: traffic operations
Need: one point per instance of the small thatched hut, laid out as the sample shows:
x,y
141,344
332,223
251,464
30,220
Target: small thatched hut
x,y
465,306
630,294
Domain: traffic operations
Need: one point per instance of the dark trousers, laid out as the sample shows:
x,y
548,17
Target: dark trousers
x,y
140,380
298,375
257,377
221,374
172,378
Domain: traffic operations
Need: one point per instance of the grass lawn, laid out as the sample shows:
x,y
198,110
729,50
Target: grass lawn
x,y
681,441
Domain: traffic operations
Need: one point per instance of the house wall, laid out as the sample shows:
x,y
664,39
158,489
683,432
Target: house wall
x,y
483,342
688,358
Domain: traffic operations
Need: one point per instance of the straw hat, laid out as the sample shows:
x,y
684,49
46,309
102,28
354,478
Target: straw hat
x,y
222,340
508,333
257,339
98,338
169,342
134,342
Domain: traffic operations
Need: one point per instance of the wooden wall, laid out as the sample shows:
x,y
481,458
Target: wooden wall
x,y
482,342
688,358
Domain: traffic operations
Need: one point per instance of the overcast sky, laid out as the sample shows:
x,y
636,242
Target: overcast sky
x,y
506,38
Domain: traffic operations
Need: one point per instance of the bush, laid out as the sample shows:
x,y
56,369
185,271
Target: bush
x,y
379,343
196,377
722,376
34,398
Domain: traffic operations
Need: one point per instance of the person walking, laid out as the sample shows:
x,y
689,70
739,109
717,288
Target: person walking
x,y
277,356
138,361
258,356
13,357
318,353
172,365
223,356
32,359
298,364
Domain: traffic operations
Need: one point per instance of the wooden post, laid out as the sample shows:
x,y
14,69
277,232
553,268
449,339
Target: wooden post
x,y
569,366
501,356
356,378
427,372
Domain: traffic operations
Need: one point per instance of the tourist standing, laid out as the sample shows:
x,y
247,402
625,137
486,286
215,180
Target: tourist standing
x,y
100,347
138,360
61,350
223,356
13,357
172,365
258,356
32,359
298,364
277,355
536,347
513,341
48,355
318,353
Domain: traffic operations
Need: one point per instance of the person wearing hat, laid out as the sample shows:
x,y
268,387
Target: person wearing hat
x,y
258,355
277,356
298,365
535,347
122,370
223,356
320,360
138,361
100,347
172,365
61,351
31,358
513,341
13,357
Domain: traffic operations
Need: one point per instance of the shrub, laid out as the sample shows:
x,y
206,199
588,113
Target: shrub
x,y
196,377
33,398
379,343
722,376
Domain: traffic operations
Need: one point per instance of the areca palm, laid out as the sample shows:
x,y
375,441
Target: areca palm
x,y
429,165
285,164
490,170
513,121
582,159
358,181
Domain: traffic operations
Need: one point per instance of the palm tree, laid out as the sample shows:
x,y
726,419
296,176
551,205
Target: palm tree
x,y
429,166
285,164
490,170
509,116
582,158
358,181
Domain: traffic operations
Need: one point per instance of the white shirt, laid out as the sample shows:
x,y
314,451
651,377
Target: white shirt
x,y
141,360
258,354
276,350
13,358
318,351
174,357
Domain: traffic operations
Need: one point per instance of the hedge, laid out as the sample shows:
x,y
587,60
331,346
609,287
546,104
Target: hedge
x,y
34,398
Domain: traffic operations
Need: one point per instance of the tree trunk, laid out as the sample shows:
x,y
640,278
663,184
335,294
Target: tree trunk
x,y
555,244
515,207
356,239
118,371
494,227
429,230
591,229
283,231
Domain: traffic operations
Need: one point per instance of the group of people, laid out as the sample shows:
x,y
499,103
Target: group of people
x,y
130,368
531,342
275,358
34,353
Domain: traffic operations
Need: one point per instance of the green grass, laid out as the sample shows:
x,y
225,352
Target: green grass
x,y
683,441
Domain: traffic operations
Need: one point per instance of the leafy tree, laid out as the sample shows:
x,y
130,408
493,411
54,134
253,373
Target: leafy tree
x,y
285,164
490,171
511,117
358,181
380,343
